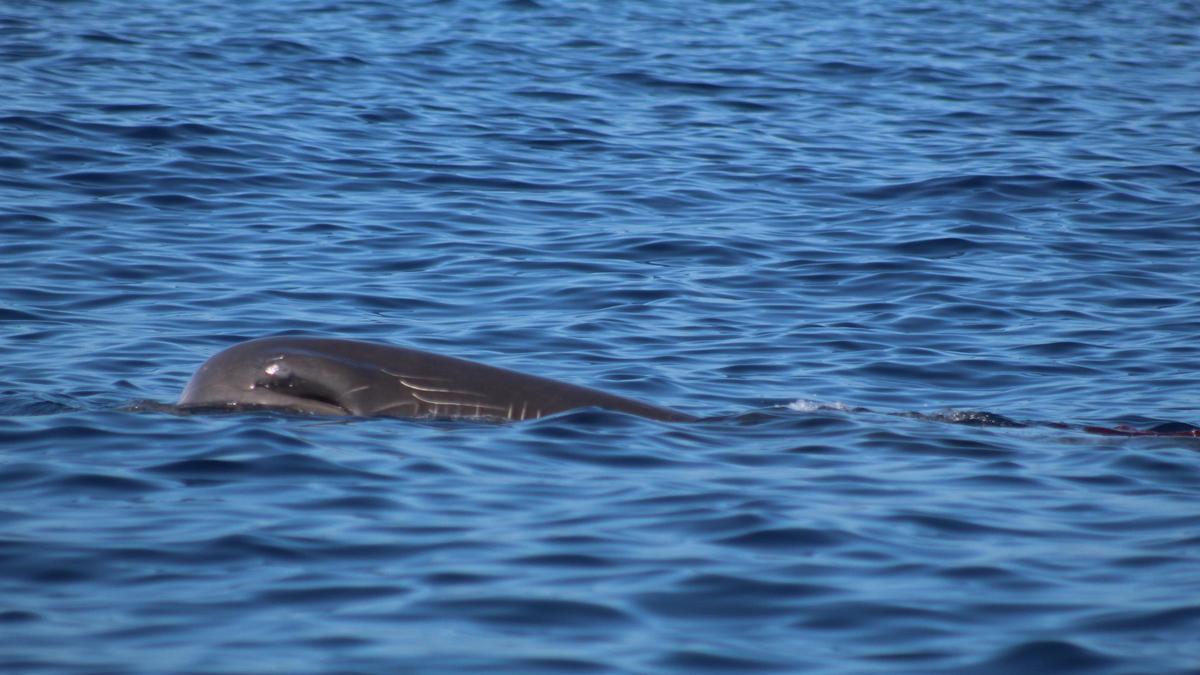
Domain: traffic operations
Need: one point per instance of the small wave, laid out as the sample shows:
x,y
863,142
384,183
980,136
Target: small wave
x,y
1047,656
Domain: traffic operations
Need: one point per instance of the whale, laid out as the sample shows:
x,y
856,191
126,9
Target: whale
x,y
321,376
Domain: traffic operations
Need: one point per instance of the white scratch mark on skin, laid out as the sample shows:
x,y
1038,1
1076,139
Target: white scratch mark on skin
x,y
358,389
395,405
410,385
413,377
459,404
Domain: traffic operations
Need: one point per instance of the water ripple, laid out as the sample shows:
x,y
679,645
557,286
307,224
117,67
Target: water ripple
x,y
925,271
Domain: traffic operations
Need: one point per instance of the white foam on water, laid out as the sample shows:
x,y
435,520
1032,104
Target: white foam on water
x,y
807,406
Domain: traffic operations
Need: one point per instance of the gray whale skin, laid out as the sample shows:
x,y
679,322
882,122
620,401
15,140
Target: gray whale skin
x,y
346,377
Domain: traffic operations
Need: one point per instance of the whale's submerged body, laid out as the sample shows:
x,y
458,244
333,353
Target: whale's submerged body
x,y
346,377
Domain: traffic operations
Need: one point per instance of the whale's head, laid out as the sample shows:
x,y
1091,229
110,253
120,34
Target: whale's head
x,y
277,374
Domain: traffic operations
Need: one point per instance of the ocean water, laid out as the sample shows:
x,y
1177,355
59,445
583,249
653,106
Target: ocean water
x,y
856,238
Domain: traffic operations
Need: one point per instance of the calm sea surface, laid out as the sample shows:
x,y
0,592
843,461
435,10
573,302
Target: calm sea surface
x,y
795,219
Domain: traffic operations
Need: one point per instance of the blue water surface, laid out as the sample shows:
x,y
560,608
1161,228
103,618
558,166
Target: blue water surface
x,y
797,220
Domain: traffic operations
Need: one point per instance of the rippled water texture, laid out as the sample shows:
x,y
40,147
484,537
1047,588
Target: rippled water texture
x,y
797,220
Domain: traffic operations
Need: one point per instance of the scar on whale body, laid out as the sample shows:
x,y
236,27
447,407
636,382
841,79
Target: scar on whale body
x,y
346,377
